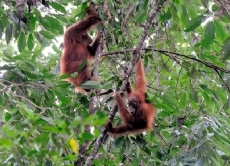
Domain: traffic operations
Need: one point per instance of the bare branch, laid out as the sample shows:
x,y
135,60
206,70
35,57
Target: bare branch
x,y
225,84
169,53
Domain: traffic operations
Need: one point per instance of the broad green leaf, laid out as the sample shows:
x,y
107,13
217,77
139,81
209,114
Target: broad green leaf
x,y
64,99
32,23
163,114
16,30
87,136
43,139
53,129
194,23
8,33
145,4
166,16
64,76
226,49
96,132
4,21
183,100
47,34
192,101
51,24
184,15
21,42
38,37
43,21
30,42
215,161
61,18
174,12
119,142
135,160
89,119
140,16
99,122
6,143
128,146
63,84
54,25
57,7
8,116
192,11
82,65
90,85
209,34
220,33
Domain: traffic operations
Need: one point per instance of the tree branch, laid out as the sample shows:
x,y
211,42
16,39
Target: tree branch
x,y
225,84
92,105
208,64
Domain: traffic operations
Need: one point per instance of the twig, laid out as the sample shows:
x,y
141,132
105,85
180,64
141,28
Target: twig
x,y
155,8
208,64
225,84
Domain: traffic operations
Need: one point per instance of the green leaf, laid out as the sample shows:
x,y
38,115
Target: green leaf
x,y
30,42
61,18
192,100
100,122
89,119
64,99
209,34
54,25
226,49
16,31
96,132
8,116
140,16
82,65
8,33
183,100
53,129
47,34
184,16
51,24
119,142
87,136
57,7
64,76
21,42
6,143
32,23
168,15
63,84
220,33
194,23
215,162
90,85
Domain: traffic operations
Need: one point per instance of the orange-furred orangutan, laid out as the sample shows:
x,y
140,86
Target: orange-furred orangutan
x,y
140,115
78,46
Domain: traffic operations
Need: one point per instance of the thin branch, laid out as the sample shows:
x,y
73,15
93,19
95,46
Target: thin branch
x,y
225,84
208,64
155,8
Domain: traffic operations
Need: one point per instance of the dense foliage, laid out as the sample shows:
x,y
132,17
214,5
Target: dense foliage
x,y
186,58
